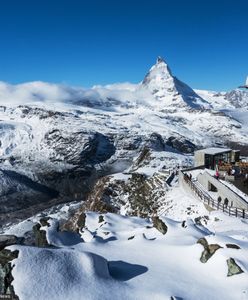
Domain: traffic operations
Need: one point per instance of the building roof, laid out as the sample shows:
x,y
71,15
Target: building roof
x,y
214,151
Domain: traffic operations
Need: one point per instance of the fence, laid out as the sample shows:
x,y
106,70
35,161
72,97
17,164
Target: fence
x,y
206,198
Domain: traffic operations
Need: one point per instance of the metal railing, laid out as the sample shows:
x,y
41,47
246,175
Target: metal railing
x,y
207,199
228,187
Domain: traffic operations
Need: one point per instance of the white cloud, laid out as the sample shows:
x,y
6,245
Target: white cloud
x,y
33,92
38,91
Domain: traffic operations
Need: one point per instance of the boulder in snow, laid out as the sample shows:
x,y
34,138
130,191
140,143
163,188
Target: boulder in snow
x,y
8,240
208,251
233,268
159,225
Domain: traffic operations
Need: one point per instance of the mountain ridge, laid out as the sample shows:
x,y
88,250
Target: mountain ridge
x,y
68,143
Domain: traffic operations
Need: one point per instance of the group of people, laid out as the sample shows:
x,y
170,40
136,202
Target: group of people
x,y
226,201
231,172
239,173
187,177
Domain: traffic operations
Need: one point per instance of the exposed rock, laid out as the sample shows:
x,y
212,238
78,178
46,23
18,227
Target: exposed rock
x,y
79,147
99,199
75,222
20,193
81,221
40,236
141,194
6,278
184,224
144,155
131,237
100,219
7,255
201,220
181,144
29,238
8,240
208,251
156,142
159,225
233,268
233,246
44,221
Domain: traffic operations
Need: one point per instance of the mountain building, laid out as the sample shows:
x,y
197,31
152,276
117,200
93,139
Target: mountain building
x,y
210,157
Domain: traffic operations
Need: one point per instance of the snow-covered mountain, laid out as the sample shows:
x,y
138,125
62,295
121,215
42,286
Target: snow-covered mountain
x,y
168,90
89,202
64,138
225,100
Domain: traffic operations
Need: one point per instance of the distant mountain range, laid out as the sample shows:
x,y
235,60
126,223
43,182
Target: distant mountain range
x,y
63,138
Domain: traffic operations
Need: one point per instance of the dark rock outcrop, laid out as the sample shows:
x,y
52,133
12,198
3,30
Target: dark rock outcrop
x,y
6,278
76,222
79,148
81,221
233,246
208,251
101,219
159,225
184,225
156,142
8,240
40,236
202,221
144,155
44,221
233,268
181,144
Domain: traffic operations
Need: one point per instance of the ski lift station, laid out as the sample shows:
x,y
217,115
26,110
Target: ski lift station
x,y
220,179
210,157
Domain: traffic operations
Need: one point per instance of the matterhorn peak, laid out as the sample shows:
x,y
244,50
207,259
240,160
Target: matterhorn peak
x,y
159,77
167,89
162,66
160,60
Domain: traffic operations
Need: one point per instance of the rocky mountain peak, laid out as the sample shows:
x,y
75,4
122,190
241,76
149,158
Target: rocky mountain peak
x,y
168,90
160,60
159,77
237,98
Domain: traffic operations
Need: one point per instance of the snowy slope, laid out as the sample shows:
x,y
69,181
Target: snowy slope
x,y
127,258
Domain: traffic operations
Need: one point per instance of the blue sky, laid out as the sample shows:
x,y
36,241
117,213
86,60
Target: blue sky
x,y
99,42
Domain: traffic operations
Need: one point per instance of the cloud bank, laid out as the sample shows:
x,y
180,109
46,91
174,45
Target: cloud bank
x,y
123,94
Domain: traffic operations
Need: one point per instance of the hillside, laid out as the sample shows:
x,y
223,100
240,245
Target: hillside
x,y
89,191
